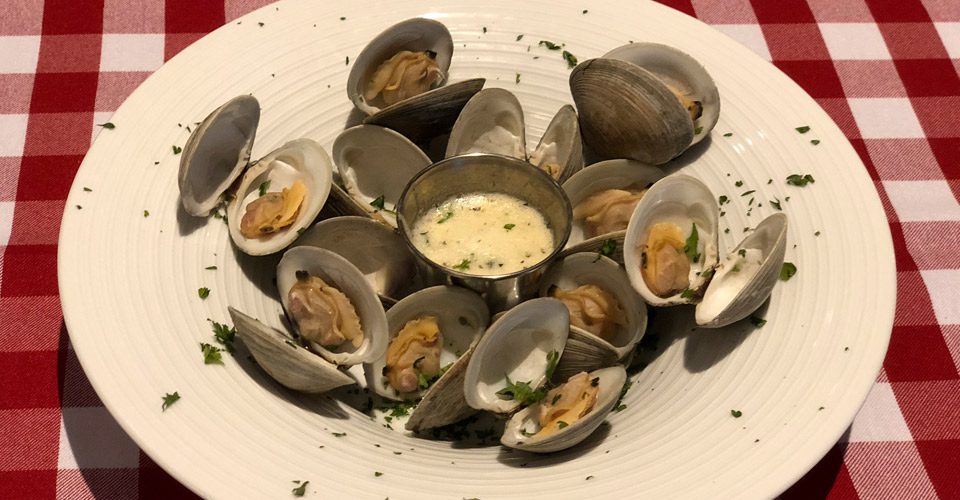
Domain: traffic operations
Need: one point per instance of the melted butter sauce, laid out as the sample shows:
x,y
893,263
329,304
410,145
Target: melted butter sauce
x,y
483,234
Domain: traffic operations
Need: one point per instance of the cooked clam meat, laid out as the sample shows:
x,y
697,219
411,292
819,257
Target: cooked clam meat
x,y
413,357
608,210
665,263
404,75
323,314
567,403
273,211
592,309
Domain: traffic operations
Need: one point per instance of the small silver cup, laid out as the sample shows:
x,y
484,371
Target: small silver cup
x,y
486,173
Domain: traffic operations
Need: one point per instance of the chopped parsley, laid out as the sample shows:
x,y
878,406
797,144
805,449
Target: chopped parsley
x,y
736,413
776,204
570,58
738,183
509,226
377,474
146,213
585,11
224,335
687,294
519,37
814,141
561,424
623,392
747,193
211,268
211,354
518,78
728,134
87,189
787,271
608,247
549,45
723,199
484,29
446,216
690,248
697,130
203,292
169,399
803,130
552,358
463,265
177,150
522,392
108,125
264,186
799,180
338,434
757,322
378,204
299,490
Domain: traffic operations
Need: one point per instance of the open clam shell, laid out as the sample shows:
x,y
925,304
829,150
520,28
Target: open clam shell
x,y
628,112
618,174
289,364
516,433
216,153
462,317
301,159
516,347
685,202
375,164
745,278
560,150
414,35
621,334
377,251
491,122
339,273
681,72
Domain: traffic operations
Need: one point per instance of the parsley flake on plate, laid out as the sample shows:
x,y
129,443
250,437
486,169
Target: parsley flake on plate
x,y
570,58
203,292
549,45
799,180
757,322
787,271
803,130
107,125
177,150
169,399
736,413
211,354
299,490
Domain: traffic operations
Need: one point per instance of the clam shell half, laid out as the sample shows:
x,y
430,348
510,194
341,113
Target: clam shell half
x,y
491,122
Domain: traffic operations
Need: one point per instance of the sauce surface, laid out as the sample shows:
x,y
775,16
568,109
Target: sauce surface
x,y
483,234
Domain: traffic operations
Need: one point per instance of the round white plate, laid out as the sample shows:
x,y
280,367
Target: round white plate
x,y
128,282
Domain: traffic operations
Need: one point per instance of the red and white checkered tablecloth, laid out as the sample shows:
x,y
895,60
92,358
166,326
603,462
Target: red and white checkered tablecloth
x,y
885,70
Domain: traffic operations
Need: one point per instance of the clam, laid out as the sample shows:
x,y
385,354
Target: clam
x,y
671,243
339,317
279,196
560,150
607,317
555,423
216,153
746,276
432,333
396,79
285,361
373,248
648,103
491,122
521,347
374,164
603,196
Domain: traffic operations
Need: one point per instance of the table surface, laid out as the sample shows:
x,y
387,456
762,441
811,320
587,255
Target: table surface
x,y
886,72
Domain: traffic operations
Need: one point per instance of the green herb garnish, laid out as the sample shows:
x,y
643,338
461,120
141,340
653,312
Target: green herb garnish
x,y
561,424
224,334
521,392
814,141
747,193
787,271
264,186
549,45
338,434
108,125
177,150
378,204
608,247
203,292
463,265
87,189
738,183
518,78
697,130
728,134
146,213
211,354
519,37
803,130
687,293
211,268
690,248
509,226
570,58
299,490
776,204
552,358
757,322
445,217
799,180
736,413
169,399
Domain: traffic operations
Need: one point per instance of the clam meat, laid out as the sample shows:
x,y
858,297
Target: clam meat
x,y
323,314
413,356
593,309
404,75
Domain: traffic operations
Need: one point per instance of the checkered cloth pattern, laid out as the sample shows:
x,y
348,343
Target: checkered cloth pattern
x,y
885,70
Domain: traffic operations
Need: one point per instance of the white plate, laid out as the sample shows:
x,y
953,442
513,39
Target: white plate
x,y
129,283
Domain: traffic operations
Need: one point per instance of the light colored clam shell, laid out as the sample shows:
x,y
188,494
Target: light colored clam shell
x,y
592,269
610,383
609,174
376,250
491,122
682,200
216,153
561,144
628,112
302,159
461,315
339,273
721,305
516,346
292,366
416,35
444,403
376,161
681,71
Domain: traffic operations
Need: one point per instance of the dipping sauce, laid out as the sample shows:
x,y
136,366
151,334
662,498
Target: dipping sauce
x,y
483,234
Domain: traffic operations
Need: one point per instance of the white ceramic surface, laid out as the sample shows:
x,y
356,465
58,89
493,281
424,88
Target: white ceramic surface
x,y
129,284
